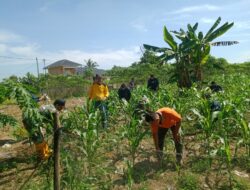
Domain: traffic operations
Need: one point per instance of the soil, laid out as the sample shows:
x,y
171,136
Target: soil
x,y
17,155
18,166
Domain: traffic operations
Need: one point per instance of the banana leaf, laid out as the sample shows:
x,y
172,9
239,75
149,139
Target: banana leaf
x,y
219,31
155,49
168,38
224,43
217,22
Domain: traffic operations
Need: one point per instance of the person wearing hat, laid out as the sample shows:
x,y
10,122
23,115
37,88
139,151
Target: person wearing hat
x,y
163,119
37,133
98,93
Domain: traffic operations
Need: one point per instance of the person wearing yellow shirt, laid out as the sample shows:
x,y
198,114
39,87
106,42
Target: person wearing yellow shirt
x,y
98,93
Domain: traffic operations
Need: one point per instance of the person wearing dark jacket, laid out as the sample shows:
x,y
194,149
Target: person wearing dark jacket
x,y
215,87
124,92
153,83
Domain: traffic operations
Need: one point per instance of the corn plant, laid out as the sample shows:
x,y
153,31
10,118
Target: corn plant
x,y
81,155
134,133
130,173
85,127
226,152
245,131
31,116
206,120
7,120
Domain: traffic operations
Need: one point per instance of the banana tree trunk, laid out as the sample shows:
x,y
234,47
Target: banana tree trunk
x,y
184,80
198,73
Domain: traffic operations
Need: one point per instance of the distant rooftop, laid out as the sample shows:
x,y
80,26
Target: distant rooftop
x,y
64,63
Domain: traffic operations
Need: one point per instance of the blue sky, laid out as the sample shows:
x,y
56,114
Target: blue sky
x,y
109,32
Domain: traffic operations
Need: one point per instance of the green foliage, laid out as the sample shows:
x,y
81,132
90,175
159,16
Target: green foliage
x,y
7,120
81,127
89,154
149,57
3,93
192,52
200,165
56,86
30,111
141,72
89,68
64,86
188,181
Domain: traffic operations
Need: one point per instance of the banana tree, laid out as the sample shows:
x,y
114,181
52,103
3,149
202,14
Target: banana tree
x,y
177,52
199,53
193,51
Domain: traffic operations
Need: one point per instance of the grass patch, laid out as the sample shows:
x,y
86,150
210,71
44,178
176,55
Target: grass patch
x,y
188,181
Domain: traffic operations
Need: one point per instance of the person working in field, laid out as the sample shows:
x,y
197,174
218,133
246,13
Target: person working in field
x,y
37,132
43,98
131,84
98,93
215,87
215,105
153,83
124,93
162,120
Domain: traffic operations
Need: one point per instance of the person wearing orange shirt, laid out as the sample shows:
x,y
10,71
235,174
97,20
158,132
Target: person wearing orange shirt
x,y
162,120
98,93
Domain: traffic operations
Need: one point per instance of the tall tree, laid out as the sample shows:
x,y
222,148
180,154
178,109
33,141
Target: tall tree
x,y
175,51
200,52
90,67
193,50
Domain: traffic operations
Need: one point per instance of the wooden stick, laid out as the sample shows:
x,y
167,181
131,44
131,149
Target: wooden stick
x,y
56,151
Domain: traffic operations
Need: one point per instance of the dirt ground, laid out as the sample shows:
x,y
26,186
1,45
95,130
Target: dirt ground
x,y
16,167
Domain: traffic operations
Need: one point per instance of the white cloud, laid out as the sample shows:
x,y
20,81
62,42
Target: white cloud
x,y
141,23
197,8
25,50
242,25
178,19
22,52
3,48
207,20
6,36
106,58
139,26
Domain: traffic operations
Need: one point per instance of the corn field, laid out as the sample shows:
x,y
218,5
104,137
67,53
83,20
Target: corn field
x,y
217,143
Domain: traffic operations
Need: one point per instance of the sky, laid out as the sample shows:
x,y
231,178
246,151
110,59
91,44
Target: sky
x,y
110,32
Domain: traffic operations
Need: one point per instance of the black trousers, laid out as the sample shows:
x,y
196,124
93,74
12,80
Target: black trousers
x,y
161,137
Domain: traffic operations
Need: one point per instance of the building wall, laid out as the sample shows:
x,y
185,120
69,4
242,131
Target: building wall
x,y
61,71
69,71
56,70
